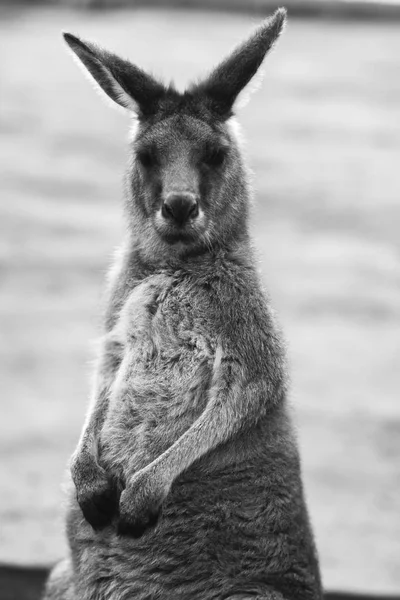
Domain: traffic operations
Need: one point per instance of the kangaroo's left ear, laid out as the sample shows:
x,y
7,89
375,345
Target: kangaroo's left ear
x,y
228,79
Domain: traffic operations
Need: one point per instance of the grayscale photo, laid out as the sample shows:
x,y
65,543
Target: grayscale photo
x,y
200,300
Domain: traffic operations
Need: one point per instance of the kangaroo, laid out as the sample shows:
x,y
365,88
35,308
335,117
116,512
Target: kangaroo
x,y
187,481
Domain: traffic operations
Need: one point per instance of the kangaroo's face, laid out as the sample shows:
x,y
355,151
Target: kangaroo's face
x,y
183,171
186,176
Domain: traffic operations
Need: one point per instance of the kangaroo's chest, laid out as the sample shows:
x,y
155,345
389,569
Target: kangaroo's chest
x,y
168,334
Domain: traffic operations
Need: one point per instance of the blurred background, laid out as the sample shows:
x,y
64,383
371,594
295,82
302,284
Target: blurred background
x,y
323,141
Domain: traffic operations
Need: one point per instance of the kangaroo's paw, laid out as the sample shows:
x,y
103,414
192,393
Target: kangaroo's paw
x,y
96,493
140,504
98,503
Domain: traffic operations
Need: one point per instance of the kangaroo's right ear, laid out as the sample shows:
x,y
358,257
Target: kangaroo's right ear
x,y
123,82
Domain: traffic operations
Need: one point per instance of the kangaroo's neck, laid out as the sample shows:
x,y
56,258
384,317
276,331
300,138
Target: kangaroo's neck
x,y
133,264
185,258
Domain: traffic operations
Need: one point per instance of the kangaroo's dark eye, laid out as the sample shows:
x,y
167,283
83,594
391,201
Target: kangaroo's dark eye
x,y
146,158
215,157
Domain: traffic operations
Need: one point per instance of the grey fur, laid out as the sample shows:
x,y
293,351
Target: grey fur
x,y
189,415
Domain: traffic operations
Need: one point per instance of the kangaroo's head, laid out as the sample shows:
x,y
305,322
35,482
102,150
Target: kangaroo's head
x,y
187,184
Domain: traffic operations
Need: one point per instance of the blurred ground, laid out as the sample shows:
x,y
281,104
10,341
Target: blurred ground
x,y
324,142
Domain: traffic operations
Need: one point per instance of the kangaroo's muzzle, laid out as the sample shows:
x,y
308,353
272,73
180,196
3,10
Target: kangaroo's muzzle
x,y
179,208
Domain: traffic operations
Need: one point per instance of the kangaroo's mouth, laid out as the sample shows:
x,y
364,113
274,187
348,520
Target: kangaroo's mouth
x,y
174,233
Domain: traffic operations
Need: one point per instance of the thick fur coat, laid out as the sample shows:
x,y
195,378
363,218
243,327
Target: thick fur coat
x,y
186,480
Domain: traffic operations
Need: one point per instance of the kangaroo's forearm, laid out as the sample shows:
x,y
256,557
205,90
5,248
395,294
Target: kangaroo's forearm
x,y
94,422
110,353
108,364
234,404
218,423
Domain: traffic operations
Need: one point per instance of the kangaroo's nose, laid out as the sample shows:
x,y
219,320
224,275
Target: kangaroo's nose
x,y
180,207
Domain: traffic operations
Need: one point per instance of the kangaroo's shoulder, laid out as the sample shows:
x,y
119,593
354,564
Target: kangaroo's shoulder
x,y
235,292
247,322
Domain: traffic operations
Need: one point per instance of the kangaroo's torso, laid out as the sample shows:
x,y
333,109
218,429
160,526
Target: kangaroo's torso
x,y
234,517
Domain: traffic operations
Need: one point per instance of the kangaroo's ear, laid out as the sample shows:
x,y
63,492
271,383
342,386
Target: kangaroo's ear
x,y
122,81
228,79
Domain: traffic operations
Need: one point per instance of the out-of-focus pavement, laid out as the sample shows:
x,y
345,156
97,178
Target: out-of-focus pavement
x,y
323,139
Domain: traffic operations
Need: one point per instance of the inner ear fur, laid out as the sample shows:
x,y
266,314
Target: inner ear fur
x,y
230,77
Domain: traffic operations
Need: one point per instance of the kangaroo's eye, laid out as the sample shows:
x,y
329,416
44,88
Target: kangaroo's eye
x,y
215,157
146,158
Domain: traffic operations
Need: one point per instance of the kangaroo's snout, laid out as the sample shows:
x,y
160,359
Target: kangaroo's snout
x,y
180,207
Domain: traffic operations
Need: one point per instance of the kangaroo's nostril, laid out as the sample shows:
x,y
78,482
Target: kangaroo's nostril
x,y
194,211
180,208
167,211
